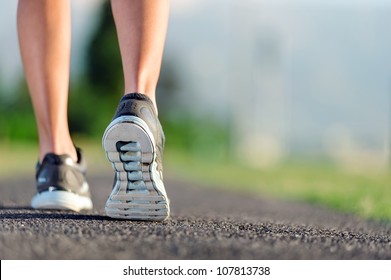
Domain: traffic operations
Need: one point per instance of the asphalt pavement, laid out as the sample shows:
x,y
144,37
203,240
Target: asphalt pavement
x,y
206,223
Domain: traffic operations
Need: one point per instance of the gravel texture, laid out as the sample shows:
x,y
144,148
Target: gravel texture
x,y
206,223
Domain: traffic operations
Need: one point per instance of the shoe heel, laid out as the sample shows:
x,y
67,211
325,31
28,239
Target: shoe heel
x,y
131,153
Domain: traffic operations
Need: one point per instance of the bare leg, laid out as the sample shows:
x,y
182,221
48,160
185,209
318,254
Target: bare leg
x,y
44,37
141,27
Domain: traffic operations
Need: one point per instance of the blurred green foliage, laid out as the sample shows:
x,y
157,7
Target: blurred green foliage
x,y
104,75
312,180
94,96
17,116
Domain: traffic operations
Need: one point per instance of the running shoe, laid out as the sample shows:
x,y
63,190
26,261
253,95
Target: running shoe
x,y
134,142
61,183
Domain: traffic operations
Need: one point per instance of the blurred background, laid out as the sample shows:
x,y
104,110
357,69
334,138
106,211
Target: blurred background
x,y
288,98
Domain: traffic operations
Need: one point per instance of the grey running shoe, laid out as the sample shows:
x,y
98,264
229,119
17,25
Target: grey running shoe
x,y
134,142
61,183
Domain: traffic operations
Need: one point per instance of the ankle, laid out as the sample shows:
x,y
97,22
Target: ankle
x,y
151,97
59,149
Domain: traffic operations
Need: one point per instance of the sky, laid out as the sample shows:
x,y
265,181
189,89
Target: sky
x,y
85,11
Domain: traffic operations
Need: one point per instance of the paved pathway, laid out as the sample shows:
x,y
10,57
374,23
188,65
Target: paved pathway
x,y
206,224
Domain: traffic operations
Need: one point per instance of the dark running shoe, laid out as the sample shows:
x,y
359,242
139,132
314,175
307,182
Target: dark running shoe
x,y
61,183
134,142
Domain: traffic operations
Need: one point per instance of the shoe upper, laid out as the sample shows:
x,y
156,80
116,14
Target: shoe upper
x,y
62,173
141,106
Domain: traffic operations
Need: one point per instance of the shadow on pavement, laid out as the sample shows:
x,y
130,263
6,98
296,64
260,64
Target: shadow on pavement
x,y
30,213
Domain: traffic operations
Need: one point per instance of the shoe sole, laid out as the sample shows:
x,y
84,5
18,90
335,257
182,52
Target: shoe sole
x,y
138,192
61,200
